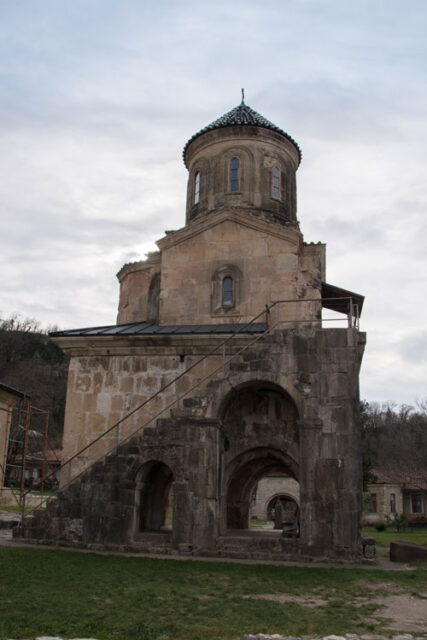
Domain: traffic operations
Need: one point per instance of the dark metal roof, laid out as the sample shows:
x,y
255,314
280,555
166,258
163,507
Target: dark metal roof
x,y
151,328
338,299
12,391
242,115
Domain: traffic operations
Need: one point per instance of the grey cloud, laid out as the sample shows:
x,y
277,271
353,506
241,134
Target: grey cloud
x,y
98,99
413,348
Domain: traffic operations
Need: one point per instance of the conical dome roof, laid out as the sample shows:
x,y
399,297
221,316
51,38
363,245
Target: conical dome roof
x,y
244,115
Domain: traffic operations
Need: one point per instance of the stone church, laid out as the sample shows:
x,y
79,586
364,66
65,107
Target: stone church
x,y
220,371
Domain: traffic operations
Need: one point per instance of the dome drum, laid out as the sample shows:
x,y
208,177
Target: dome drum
x,y
262,176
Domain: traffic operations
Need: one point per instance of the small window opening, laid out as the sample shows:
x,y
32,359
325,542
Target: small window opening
x,y
197,188
227,292
392,503
276,187
234,174
416,503
373,503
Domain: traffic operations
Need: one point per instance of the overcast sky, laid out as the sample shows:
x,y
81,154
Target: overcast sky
x,y
98,97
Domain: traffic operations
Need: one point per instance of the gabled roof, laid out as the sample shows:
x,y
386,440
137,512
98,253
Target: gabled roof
x,y
151,328
409,479
242,115
286,230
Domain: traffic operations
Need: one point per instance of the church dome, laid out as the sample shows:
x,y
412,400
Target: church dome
x,y
242,115
242,160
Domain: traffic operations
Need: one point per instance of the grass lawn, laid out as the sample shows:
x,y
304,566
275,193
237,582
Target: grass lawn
x,y
383,538
55,592
15,509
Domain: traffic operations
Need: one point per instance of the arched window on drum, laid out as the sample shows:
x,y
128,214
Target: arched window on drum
x,y
276,183
227,292
234,174
197,188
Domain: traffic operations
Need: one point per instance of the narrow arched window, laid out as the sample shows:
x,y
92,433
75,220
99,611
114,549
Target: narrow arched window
x,y
234,174
197,188
227,292
276,187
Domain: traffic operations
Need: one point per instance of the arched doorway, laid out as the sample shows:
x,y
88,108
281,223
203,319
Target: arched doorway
x,y
244,473
284,499
154,487
261,439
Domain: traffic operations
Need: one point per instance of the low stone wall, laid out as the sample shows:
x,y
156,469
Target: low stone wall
x,y
401,551
10,498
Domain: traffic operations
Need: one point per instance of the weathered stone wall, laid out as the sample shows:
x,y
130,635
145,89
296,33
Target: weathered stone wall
x,y
383,498
258,152
277,266
101,506
135,280
103,389
305,424
319,370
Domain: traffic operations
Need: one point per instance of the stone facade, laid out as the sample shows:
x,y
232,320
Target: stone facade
x,y
174,416
278,266
397,493
385,501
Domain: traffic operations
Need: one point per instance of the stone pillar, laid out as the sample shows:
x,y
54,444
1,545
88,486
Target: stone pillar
x,y
182,522
330,450
312,535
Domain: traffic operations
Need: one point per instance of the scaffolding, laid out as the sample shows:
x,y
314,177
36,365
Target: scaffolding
x,y
31,462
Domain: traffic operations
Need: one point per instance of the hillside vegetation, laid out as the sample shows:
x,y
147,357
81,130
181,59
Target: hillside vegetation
x,y
394,441
32,363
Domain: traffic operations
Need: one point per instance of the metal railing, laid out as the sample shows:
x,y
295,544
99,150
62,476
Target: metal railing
x,y
274,317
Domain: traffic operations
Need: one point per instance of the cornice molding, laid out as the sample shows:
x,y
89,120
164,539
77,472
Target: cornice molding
x,y
191,344
131,267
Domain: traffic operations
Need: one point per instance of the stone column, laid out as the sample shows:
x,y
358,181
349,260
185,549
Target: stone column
x,y
182,528
330,450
